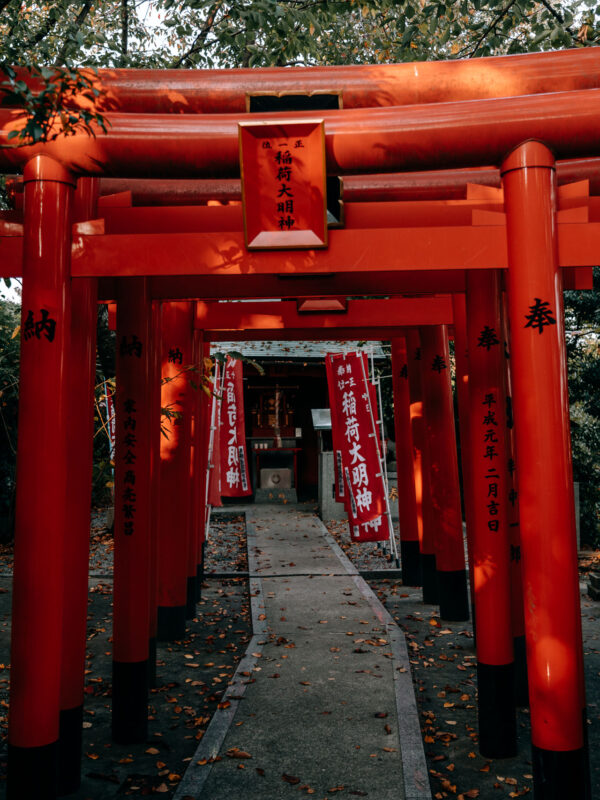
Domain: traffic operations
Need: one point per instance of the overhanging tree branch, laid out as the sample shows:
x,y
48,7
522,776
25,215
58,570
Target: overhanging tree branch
x,y
200,39
558,16
491,27
124,32
78,22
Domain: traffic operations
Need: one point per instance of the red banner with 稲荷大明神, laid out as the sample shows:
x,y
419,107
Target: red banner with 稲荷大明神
x,y
214,442
377,530
234,461
341,495
355,436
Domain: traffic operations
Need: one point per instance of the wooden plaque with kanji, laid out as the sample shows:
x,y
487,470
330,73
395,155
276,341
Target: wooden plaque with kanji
x,y
283,184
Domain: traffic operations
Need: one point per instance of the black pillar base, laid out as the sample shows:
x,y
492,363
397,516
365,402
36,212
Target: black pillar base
x,y
70,746
454,596
190,602
152,662
521,682
410,556
200,574
497,711
170,623
199,579
32,772
430,578
561,774
130,702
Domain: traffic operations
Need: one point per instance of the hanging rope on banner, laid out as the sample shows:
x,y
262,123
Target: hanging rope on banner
x,y
110,422
381,450
210,464
373,396
379,405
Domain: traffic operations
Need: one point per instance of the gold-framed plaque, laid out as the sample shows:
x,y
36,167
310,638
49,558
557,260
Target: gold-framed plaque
x,y
283,184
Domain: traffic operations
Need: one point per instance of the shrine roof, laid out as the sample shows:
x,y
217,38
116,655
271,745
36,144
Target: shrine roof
x,y
284,350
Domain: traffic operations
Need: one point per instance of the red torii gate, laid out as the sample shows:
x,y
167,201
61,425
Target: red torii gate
x,y
526,243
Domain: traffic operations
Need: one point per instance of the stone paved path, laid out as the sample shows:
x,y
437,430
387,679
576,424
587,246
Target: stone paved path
x,y
323,701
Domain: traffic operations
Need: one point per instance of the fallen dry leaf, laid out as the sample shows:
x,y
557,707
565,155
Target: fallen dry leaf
x,y
235,752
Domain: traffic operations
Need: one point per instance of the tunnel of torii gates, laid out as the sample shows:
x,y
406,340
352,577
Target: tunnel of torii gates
x,y
148,215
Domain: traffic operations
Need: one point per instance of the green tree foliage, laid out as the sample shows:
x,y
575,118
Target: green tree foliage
x,y
102,477
215,33
582,318
62,36
10,317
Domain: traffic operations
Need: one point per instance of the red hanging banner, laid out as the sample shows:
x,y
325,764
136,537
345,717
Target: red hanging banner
x,y
341,495
356,437
234,461
376,530
214,442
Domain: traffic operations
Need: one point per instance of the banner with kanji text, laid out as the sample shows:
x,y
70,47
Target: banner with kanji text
x,y
355,436
234,459
341,495
214,442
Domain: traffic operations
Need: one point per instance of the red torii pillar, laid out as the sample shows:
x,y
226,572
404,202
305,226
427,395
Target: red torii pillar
x,y
461,358
80,432
155,438
490,512
196,498
176,336
131,613
407,501
421,467
37,612
202,442
548,541
514,526
444,498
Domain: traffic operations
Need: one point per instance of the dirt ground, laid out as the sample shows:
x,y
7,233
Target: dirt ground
x,y
194,673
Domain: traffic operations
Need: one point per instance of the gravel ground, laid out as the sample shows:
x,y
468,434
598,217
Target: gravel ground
x,y
444,663
226,551
193,674
364,555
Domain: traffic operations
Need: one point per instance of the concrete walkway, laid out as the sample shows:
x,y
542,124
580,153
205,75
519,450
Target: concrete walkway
x,y
323,700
